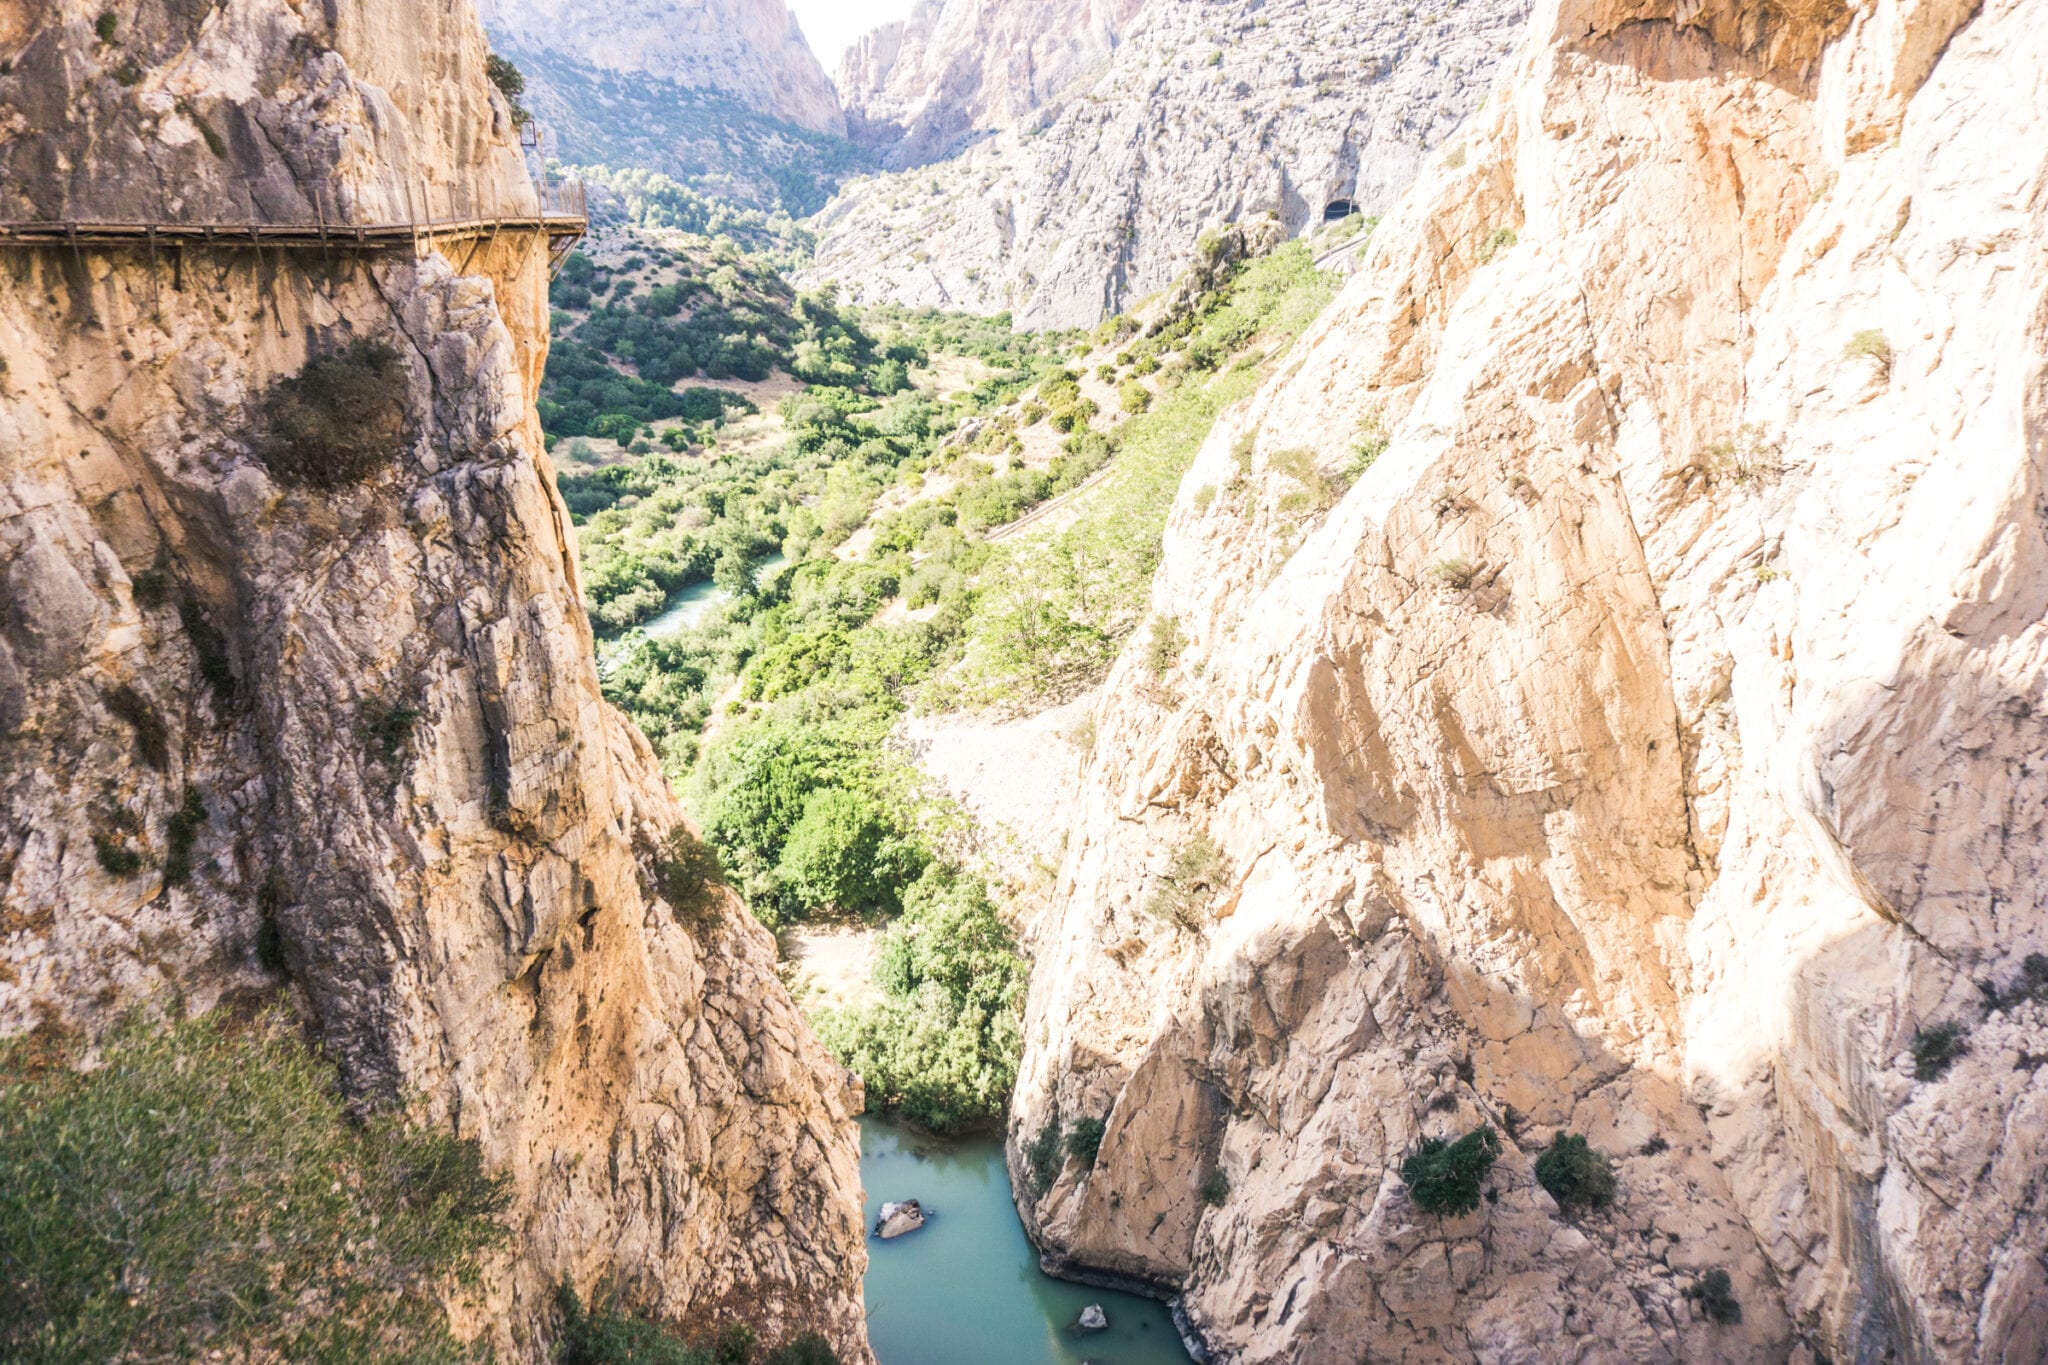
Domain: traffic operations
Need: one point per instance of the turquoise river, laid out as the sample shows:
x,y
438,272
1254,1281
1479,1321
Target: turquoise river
x,y
966,1289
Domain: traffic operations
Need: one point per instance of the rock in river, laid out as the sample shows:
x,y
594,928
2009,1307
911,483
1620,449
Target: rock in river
x,y
898,1218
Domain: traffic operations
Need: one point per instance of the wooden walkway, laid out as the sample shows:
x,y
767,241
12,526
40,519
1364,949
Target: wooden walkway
x,y
303,236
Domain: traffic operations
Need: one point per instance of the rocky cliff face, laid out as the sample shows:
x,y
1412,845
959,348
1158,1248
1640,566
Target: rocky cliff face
x,y
1646,746
1202,113
750,50
916,89
265,726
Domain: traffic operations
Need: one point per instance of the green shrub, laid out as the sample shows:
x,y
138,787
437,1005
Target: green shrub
x,y
1714,1292
511,84
181,832
688,876
204,1192
942,1047
1365,452
152,737
1455,573
2031,984
1576,1175
116,858
338,421
210,647
1444,1177
1313,491
845,854
1163,650
1936,1049
1133,397
1084,1140
1497,241
1869,344
1042,1154
1215,1188
1193,876
106,26
385,729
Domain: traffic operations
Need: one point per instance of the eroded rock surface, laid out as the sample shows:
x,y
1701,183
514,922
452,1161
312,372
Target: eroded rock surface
x,y
751,50
916,89
259,733
1090,193
1647,746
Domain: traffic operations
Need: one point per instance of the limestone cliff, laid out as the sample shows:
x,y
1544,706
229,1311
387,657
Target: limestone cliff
x,y
917,88
1647,745
751,50
1201,113
264,726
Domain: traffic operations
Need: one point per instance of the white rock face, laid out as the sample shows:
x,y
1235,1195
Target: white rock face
x,y
1202,113
752,50
915,89
1647,746
465,906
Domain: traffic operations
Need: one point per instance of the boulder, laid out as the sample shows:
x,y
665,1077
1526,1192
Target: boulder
x,y
898,1218
1093,1319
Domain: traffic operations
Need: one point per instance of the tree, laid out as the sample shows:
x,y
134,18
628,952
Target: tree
x,y
1444,1177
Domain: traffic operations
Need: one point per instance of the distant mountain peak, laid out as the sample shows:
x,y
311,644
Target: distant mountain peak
x,y
751,51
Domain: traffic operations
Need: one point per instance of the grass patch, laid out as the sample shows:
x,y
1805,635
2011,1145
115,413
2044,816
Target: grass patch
x,y
1164,649
203,1191
1194,875
1455,573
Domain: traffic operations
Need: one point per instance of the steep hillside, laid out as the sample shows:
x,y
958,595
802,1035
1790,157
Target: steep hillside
x,y
1644,749
916,89
296,692
749,50
723,95
1201,114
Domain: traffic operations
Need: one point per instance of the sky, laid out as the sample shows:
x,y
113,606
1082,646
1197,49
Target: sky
x,y
830,26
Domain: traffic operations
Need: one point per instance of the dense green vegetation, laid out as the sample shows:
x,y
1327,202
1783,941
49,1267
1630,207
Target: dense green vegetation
x,y
204,1191
943,1047
775,708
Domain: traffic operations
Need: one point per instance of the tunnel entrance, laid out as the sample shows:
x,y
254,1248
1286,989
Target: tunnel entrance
x,y
1337,210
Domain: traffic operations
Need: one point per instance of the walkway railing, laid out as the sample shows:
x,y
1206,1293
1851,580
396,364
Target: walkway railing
x,y
428,214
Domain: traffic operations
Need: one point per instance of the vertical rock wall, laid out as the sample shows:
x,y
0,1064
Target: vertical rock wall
x,y
1647,745
349,741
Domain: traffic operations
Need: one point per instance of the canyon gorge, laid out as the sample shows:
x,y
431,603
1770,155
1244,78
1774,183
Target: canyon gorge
x,y
1293,615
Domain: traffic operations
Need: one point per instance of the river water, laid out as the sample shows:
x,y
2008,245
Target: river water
x,y
688,608
965,1289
